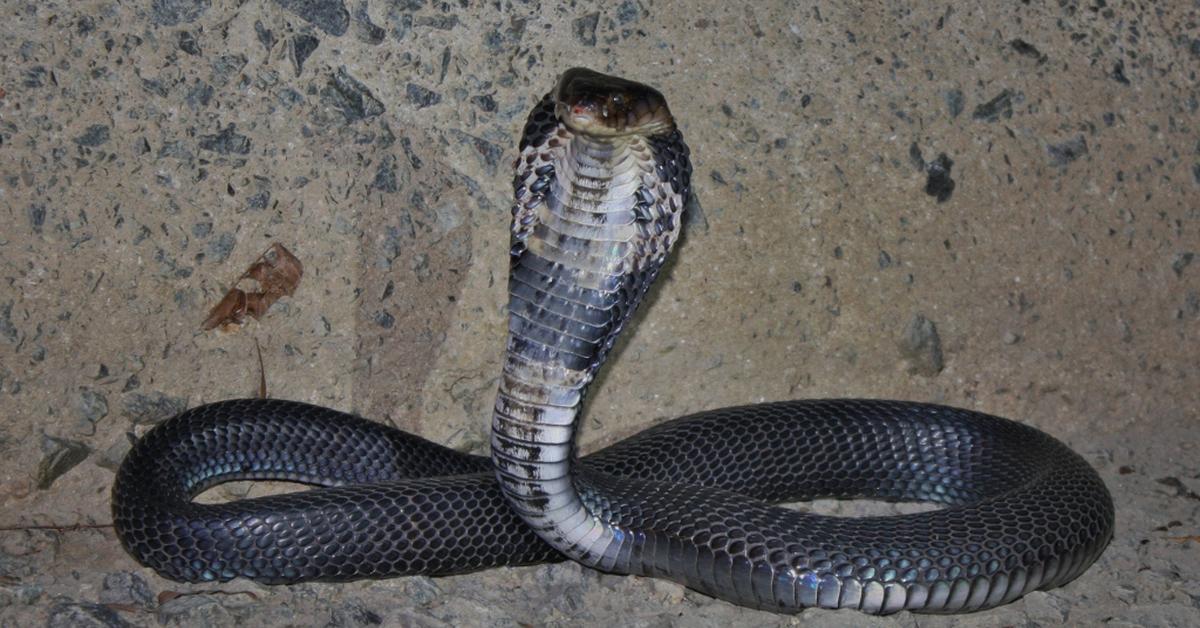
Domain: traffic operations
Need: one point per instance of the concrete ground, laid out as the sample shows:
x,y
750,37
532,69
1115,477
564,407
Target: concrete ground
x,y
992,205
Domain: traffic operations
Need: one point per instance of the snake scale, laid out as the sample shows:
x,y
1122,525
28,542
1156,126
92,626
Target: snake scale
x,y
600,185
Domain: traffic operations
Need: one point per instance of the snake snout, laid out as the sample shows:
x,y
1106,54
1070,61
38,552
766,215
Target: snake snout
x,y
590,102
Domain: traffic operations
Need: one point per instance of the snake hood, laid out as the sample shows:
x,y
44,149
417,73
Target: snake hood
x,y
600,186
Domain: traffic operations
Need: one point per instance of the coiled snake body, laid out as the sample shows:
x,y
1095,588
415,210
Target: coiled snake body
x,y
600,185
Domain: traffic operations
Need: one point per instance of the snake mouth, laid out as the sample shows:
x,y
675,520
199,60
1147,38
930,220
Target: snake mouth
x,y
598,104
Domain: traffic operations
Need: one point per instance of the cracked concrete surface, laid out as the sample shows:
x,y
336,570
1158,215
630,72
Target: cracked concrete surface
x,y
990,206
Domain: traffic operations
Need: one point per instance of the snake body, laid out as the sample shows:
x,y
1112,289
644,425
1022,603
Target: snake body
x,y
600,184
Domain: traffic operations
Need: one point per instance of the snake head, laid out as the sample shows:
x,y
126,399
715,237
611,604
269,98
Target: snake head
x,y
597,104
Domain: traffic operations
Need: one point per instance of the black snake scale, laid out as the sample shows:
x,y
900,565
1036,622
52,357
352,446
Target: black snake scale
x,y
600,184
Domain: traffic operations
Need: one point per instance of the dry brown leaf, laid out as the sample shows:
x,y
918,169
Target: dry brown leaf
x,y
277,272
167,596
231,309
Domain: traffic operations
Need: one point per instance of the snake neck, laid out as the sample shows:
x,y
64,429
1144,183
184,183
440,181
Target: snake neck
x,y
593,221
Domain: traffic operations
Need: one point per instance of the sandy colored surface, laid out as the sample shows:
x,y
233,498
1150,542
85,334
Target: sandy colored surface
x,y
150,151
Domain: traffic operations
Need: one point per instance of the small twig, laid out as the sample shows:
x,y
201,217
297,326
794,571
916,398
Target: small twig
x,y
262,372
1184,539
124,608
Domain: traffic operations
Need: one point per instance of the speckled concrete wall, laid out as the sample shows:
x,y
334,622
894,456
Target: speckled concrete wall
x,y
994,205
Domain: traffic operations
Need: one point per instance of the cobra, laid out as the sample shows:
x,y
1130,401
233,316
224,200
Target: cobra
x,y
600,185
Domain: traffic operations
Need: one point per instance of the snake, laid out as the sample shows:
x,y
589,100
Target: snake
x,y
601,183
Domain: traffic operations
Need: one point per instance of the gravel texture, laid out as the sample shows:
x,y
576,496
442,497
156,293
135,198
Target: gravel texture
x,y
988,205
